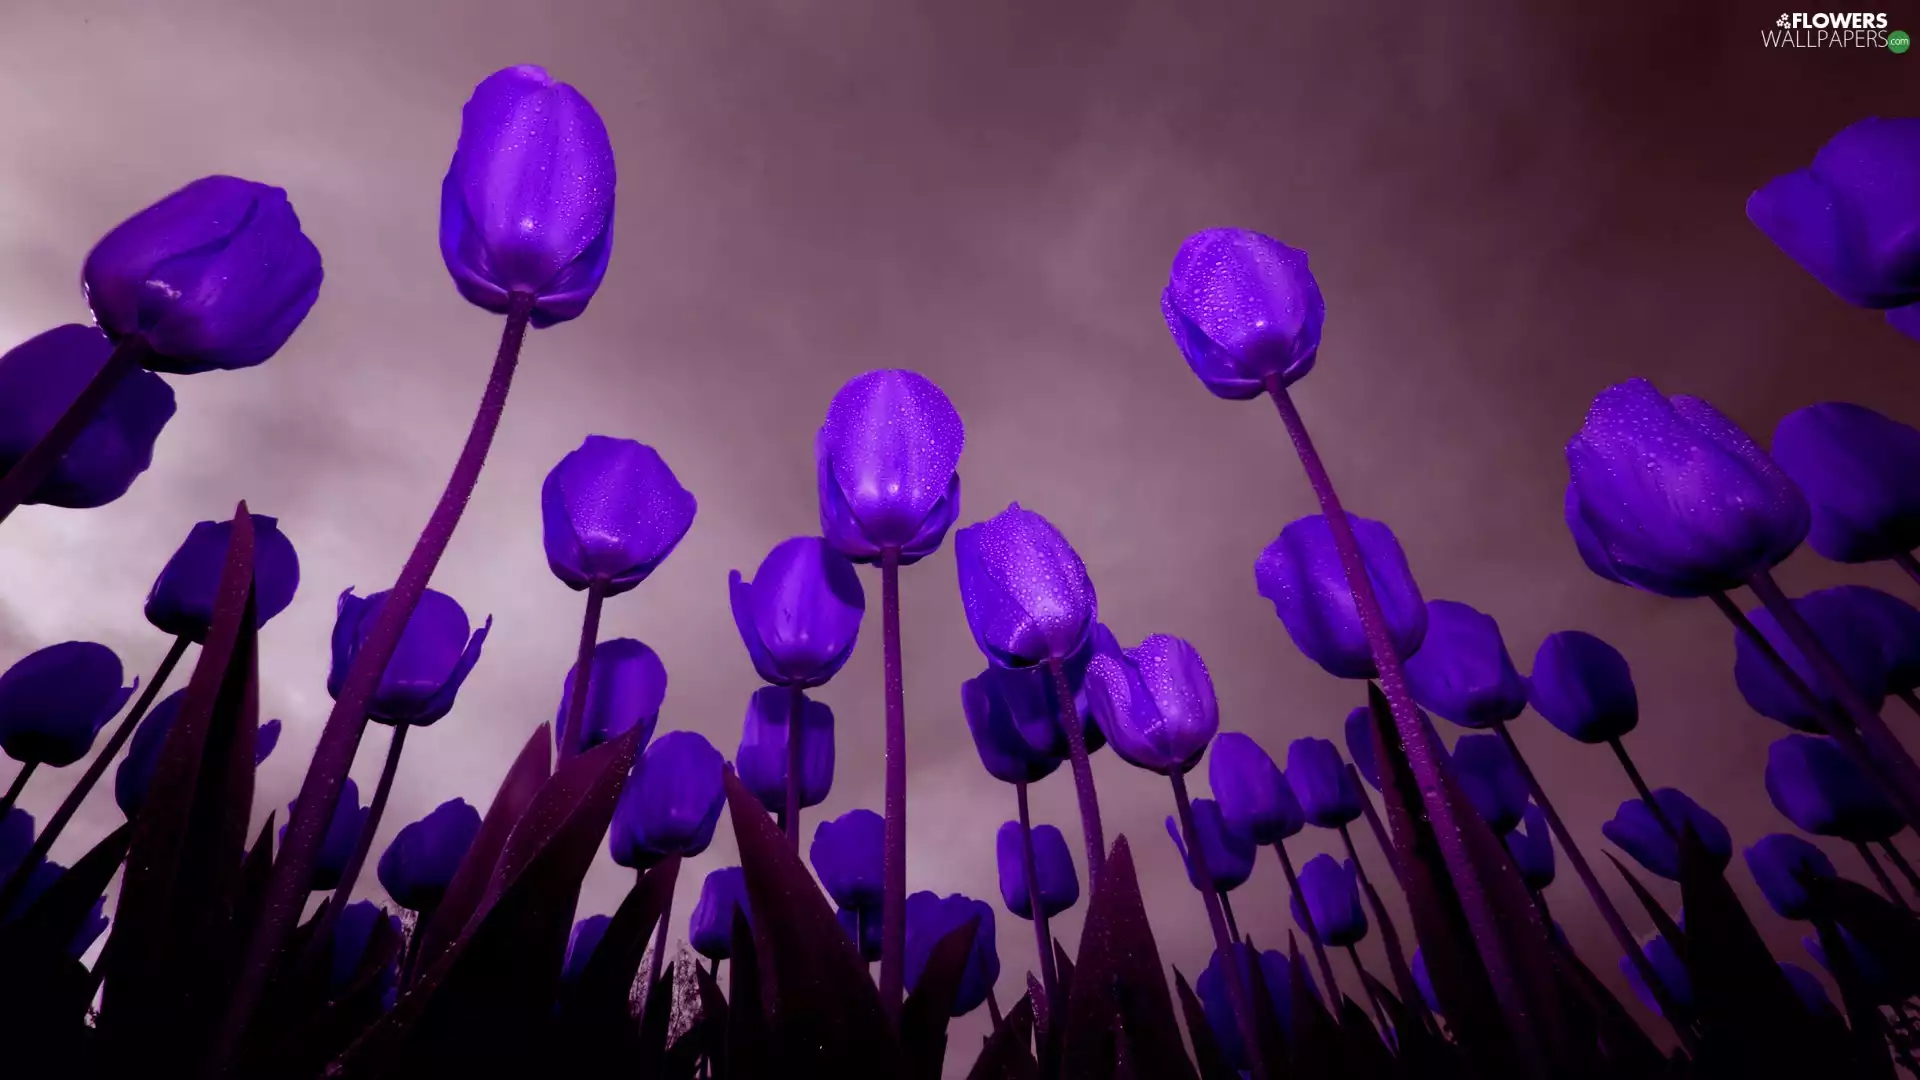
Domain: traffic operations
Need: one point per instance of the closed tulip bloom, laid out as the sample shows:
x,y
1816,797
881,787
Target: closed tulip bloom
x,y
1155,701
1244,310
420,862
527,205
1332,891
1668,969
1014,717
216,275
1320,781
1463,672
1637,832
800,615
182,599
434,657
1860,472
930,918
624,690
711,929
1211,988
1491,780
53,702
671,802
886,460
761,759
863,929
847,853
612,511
352,935
1807,986
1583,686
1896,626
585,938
1026,593
135,774
1227,851
1681,501
1300,573
40,378
1778,863
1358,730
1052,865
1252,792
1818,788
1851,639
1532,849
1851,218
343,833
1883,983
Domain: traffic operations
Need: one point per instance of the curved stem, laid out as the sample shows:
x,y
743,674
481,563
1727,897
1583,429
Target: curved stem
x,y
1043,937
1313,935
1229,956
1640,787
18,483
1904,560
19,783
893,904
1389,934
1096,838
796,705
322,940
571,738
1898,860
1880,875
340,738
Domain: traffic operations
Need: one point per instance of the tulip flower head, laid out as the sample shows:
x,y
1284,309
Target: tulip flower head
x,y
53,702
1155,701
711,929
527,205
1860,472
1227,851
343,834
1815,785
1850,219
625,687
761,759
930,918
670,803
215,276
352,936
420,862
1332,892
434,657
40,378
1251,790
847,853
1677,499
611,511
135,774
1014,717
1637,832
1583,686
1320,781
1027,595
182,599
1852,639
1895,625
1668,968
1053,868
1300,572
886,460
1779,863
1244,310
1532,849
800,615
586,937
1491,780
1463,672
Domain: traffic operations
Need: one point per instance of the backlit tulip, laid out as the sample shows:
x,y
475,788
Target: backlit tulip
x,y
343,832
352,936
1300,573
182,599
53,702
670,803
761,759
710,930
1320,781
1778,862
1332,893
40,378
1053,868
1668,969
930,918
624,690
136,770
847,853
1851,219
1852,640
1637,832
612,511
1531,846
1860,472
1817,787
585,938
434,657
800,615
1227,852
1275,970
1463,671
1252,792
1583,686
420,862
1491,780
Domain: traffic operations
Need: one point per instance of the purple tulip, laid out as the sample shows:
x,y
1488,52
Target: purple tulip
x,y
1332,892
612,511
800,615
343,835
1053,867
847,853
761,760
1252,792
1227,851
1807,985
1014,717
711,928
1300,573
1155,701
434,657
1583,686
1320,781
1275,970
1463,672
1244,309
1778,863
624,690
420,862
863,929
1491,780
1851,219
1027,595
930,918
585,938
671,802
885,459
216,275
1358,730
135,774
1860,472
1817,787
1883,983
1668,969
182,599
1852,640
1896,626
1532,849
1637,832
1677,499
40,378
352,934
527,205
53,702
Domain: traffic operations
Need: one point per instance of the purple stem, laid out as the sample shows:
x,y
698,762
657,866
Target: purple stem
x,y
1904,560
1640,787
1883,754
1898,860
1229,956
1096,837
321,942
893,903
796,704
19,783
572,737
1043,937
340,739
1313,935
96,768
18,484
1389,934
1880,875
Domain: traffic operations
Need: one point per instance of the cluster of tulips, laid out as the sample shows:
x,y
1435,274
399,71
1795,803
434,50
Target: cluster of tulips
x,y
220,962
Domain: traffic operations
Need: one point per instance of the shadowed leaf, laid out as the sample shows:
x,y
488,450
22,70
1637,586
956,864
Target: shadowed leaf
x,y
1119,977
595,1024
748,1051
1885,931
1367,1053
923,1020
1274,1050
56,917
1629,1051
1206,1049
1005,1055
1867,1027
1669,929
714,1016
1318,1051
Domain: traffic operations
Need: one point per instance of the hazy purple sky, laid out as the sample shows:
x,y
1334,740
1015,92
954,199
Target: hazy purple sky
x,y
1507,209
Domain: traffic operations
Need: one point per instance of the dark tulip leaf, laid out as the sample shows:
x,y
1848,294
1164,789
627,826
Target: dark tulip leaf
x,y
1367,1053
650,1047
1036,992
44,991
1206,1049
595,1022
1318,1050
1063,970
823,1009
715,1014
748,1055
923,1020
1676,938
255,871
1885,931
1119,977
1867,1026
1274,1051
1005,1055
1628,1049
57,916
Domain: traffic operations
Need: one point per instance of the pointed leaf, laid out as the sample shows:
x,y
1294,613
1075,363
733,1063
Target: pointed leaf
x,y
1868,1027
650,1044
1206,1049
1885,931
1676,938
923,1020
748,1051
1274,1050
1626,1044
599,999
255,872
1119,975
715,1013
1005,1055
57,916
1318,1049
1367,1053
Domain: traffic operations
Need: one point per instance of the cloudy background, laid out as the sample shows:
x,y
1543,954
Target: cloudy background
x,y
1508,208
